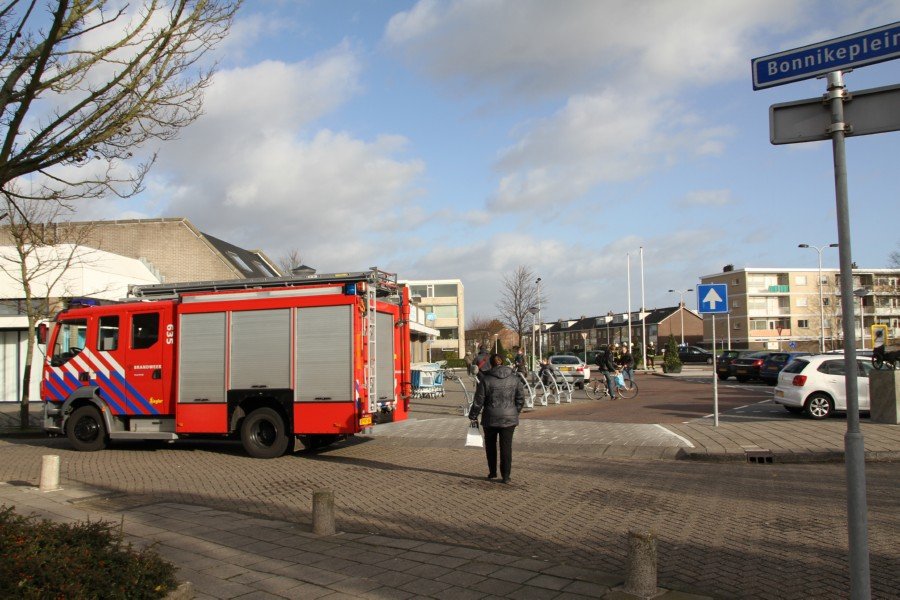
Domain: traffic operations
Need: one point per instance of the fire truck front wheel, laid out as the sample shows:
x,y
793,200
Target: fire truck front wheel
x,y
85,429
263,434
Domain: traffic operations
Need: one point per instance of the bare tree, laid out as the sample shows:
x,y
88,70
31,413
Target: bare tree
x,y
42,250
83,83
290,261
482,329
894,259
517,297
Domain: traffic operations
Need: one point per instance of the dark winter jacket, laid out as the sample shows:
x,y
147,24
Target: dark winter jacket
x,y
501,394
607,361
626,360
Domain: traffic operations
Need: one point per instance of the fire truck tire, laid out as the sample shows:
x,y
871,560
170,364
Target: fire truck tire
x,y
86,430
263,434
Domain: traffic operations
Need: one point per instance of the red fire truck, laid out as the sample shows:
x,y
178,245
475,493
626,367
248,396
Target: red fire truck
x,y
266,360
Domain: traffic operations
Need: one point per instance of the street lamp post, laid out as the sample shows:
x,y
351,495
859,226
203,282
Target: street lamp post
x,y
533,310
862,293
819,249
681,309
540,323
496,342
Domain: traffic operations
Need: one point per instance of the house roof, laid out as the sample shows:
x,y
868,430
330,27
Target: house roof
x,y
250,263
654,316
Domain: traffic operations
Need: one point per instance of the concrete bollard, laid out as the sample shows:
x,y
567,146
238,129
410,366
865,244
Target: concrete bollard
x,y
323,512
640,580
49,473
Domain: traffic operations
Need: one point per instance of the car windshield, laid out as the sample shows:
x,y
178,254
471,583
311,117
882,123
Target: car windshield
x,y
779,358
730,353
758,355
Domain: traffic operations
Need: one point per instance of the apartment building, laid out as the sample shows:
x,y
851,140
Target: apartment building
x,y
443,301
782,308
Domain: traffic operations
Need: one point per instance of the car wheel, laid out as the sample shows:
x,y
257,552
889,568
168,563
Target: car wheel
x,y
723,377
263,434
86,430
709,361
742,379
794,410
770,381
818,406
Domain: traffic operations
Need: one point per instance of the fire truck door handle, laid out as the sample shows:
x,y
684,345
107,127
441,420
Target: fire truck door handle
x,y
84,376
157,374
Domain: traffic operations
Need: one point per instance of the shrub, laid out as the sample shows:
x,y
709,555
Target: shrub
x,y
671,361
42,559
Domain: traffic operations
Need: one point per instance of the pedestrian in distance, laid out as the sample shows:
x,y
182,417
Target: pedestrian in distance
x,y
520,362
626,362
481,363
545,372
651,352
468,359
499,398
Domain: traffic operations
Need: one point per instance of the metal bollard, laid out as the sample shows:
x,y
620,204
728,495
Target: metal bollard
x,y
49,473
641,577
323,512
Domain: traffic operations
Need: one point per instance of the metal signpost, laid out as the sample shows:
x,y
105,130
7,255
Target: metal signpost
x,y
712,299
798,122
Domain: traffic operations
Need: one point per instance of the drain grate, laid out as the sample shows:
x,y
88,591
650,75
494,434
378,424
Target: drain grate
x,y
761,457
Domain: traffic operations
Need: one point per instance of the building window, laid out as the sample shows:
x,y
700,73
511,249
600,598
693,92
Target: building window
x,y
826,301
801,279
759,324
735,281
802,301
450,333
445,312
735,304
803,323
737,324
445,290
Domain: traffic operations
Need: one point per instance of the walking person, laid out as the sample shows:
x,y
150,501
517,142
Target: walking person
x,y
482,362
499,398
651,352
626,361
520,362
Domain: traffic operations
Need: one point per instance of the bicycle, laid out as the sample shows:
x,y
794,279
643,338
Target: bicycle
x,y
595,389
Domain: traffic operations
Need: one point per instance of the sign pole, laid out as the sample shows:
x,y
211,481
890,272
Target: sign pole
x,y
715,377
857,525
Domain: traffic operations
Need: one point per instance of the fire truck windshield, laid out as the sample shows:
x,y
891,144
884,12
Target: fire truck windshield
x,y
70,338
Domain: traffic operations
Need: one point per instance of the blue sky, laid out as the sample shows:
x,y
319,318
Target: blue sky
x,y
461,139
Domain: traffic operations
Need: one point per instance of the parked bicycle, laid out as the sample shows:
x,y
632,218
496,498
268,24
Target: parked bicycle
x,y
596,388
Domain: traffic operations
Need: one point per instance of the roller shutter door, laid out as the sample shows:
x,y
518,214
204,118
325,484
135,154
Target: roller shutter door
x,y
202,358
324,354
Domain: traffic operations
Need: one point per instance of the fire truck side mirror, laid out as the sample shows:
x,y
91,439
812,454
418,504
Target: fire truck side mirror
x,y
42,331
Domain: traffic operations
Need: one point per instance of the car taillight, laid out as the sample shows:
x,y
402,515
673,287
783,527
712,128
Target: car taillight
x,y
581,369
757,362
799,380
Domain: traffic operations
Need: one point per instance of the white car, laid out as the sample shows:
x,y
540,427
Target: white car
x,y
571,368
814,385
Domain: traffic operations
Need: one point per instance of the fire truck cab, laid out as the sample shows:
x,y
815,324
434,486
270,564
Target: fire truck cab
x,y
265,360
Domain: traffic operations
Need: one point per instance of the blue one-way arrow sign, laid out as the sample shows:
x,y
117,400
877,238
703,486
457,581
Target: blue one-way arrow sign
x,y
854,50
712,298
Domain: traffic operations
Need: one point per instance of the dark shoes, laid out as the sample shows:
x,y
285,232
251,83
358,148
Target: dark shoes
x,y
492,476
504,480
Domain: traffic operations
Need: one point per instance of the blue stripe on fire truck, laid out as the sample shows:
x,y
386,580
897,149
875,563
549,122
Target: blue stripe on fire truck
x,y
148,408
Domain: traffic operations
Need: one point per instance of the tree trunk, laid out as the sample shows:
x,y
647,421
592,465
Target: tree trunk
x,y
26,391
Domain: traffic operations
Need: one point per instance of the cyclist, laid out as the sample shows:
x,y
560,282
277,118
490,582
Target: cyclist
x,y
607,363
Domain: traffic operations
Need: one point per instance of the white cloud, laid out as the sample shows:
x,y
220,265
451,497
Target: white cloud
x,y
707,198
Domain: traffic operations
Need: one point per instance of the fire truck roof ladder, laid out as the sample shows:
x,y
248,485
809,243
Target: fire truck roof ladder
x,y
380,283
372,348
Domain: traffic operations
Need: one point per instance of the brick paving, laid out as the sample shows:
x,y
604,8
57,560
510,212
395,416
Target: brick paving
x,y
417,519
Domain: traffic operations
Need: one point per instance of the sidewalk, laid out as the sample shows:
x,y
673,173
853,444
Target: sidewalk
x,y
230,555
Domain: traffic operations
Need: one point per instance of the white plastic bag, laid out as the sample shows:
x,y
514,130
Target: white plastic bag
x,y
473,436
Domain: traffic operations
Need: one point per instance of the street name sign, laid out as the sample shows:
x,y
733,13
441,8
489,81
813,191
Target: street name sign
x,y
712,298
854,50
876,110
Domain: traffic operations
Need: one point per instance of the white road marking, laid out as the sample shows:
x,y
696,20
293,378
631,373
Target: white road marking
x,y
686,441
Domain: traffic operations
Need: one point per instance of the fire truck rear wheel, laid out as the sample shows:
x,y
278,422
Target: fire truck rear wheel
x,y
263,434
85,429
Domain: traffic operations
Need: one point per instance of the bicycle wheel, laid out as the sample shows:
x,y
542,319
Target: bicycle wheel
x,y
593,389
628,391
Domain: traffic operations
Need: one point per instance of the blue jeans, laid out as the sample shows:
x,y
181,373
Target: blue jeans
x,y
610,383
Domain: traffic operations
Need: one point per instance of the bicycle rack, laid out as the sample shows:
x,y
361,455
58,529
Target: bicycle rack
x,y
529,401
450,376
568,388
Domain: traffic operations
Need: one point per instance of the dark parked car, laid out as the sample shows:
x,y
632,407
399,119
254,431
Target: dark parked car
x,y
747,367
773,365
693,354
725,361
